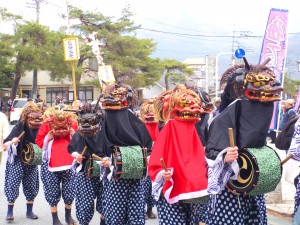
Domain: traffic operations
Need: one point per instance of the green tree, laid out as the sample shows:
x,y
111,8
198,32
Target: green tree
x,y
7,68
290,86
175,72
128,55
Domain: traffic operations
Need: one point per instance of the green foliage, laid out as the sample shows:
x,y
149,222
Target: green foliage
x,y
290,86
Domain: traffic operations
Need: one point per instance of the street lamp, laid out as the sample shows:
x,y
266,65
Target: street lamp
x,y
216,69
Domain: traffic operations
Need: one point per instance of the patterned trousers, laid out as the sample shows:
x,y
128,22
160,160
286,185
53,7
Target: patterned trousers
x,y
16,173
123,202
51,184
180,213
226,208
87,190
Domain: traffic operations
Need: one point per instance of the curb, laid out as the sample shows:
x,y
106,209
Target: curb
x,y
277,211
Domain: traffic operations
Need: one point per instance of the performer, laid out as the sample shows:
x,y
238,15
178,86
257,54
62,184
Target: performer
x,y
123,201
87,186
247,107
54,137
205,117
179,145
295,150
147,116
16,171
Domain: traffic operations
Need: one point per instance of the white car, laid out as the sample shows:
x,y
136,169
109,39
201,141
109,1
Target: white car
x,y
16,109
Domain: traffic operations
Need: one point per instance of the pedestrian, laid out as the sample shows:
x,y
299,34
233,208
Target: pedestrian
x,y
289,112
54,137
123,199
88,186
16,171
246,107
180,191
4,131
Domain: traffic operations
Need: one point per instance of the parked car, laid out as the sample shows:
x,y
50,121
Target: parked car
x,y
16,109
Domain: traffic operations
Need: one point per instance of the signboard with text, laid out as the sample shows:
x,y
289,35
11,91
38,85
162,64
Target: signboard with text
x,y
71,49
105,73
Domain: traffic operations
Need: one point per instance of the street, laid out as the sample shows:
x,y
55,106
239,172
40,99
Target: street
x,y
42,209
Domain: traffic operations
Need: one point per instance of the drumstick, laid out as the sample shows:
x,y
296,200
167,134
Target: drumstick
x,y
21,135
231,139
163,163
97,157
286,159
84,150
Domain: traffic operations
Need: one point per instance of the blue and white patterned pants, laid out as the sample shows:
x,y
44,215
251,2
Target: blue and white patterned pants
x,y
147,186
87,190
123,202
233,210
51,183
16,173
180,213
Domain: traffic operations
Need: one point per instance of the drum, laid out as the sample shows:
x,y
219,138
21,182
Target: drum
x,y
260,171
130,162
32,154
92,168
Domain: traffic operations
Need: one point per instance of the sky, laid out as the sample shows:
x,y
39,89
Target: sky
x,y
192,22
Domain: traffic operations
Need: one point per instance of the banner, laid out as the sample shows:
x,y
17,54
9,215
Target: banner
x,y
71,49
274,46
105,73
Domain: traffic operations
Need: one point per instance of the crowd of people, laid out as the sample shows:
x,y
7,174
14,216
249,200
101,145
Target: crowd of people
x,y
177,154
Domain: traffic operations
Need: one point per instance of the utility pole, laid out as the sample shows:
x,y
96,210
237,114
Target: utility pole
x,y
36,5
235,43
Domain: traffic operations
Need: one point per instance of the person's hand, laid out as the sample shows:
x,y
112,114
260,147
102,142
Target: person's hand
x,y
15,140
167,175
79,158
148,159
231,155
105,162
50,136
72,131
4,147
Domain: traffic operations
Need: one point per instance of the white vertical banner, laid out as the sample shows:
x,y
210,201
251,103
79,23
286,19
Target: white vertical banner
x,y
71,49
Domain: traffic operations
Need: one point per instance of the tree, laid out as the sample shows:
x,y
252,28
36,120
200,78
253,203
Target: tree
x,y
175,72
290,87
32,47
128,55
7,68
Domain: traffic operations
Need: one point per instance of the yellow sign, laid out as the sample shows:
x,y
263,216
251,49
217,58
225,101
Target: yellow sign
x,y
71,49
106,74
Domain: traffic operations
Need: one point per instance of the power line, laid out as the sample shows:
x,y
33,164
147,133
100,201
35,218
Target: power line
x,y
199,35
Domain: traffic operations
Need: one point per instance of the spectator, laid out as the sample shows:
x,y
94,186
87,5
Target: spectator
x,y
289,112
38,99
58,101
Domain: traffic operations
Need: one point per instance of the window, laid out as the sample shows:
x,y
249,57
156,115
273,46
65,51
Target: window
x,y
53,92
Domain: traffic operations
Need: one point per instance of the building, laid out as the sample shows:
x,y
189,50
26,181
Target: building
x,y
49,90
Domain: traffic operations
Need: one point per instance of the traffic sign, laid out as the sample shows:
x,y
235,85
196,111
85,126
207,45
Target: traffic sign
x,y
239,53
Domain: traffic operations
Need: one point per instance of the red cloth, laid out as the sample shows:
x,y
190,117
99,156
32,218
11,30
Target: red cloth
x,y
179,145
59,149
59,153
152,129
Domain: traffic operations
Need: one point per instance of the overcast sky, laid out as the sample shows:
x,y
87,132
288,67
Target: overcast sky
x,y
195,17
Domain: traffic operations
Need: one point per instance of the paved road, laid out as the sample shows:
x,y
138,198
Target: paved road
x,y
41,208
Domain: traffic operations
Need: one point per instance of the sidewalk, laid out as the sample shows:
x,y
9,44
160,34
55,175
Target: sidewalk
x,y
283,209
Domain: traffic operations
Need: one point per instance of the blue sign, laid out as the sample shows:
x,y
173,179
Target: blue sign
x,y
239,53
